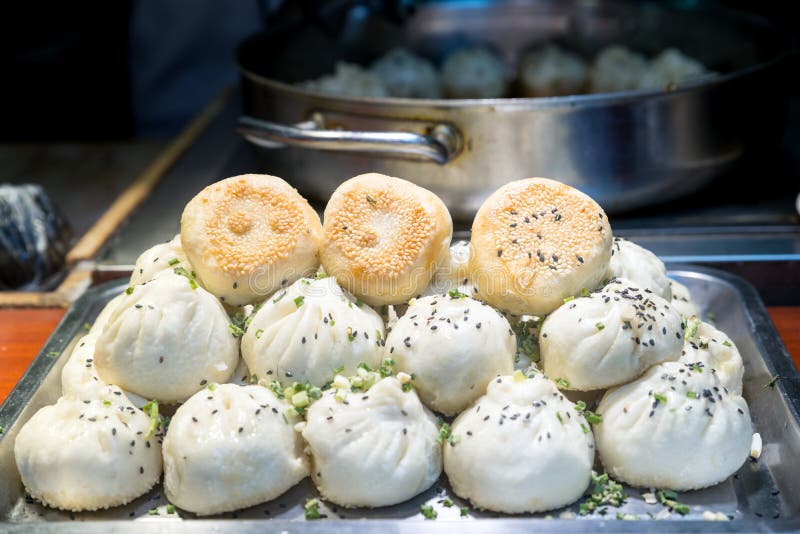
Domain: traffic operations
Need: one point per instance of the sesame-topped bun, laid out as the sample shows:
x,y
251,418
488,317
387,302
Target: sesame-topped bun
x,y
384,238
640,266
535,242
230,447
88,454
372,448
682,300
158,258
248,235
609,337
166,339
708,347
454,346
522,447
311,328
676,428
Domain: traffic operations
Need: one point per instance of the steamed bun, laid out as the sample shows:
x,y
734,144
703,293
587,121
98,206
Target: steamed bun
x,y
88,454
373,448
161,257
676,428
474,72
79,374
640,266
713,349
671,67
166,339
349,79
453,273
305,332
616,68
609,337
407,75
682,300
230,447
552,71
522,447
454,346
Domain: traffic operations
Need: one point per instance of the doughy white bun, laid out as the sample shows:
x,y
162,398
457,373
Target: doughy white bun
x,y
682,300
453,273
535,242
248,235
671,67
305,332
88,454
640,266
713,349
520,448
230,447
378,448
616,68
474,73
695,436
384,238
161,257
454,347
165,340
407,75
79,375
349,79
610,337
552,71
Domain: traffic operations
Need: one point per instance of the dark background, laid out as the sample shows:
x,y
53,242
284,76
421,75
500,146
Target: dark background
x,y
120,69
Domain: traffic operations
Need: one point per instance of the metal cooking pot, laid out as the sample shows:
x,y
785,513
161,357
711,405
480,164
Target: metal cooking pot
x,y
626,150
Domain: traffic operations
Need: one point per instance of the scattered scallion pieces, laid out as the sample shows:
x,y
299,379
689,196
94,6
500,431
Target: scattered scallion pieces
x,y
153,511
236,330
670,499
170,509
569,299
599,326
562,382
298,301
259,332
278,298
464,511
129,290
456,294
444,434
312,509
693,394
52,354
660,398
447,502
772,381
584,292
174,261
427,511
727,343
605,491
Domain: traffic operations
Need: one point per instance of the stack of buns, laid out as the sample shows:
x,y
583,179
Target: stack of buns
x,y
326,387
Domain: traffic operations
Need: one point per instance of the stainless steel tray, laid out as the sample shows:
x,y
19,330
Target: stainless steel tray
x,y
763,495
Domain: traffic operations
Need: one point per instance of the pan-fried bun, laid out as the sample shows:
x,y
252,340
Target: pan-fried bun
x,y
248,235
384,238
535,242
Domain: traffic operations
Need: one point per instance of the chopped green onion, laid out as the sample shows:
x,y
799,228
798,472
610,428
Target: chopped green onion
x,y
660,398
170,509
727,343
298,301
312,509
599,326
174,261
692,394
456,294
562,382
464,511
772,381
278,298
444,434
259,332
427,511
568,299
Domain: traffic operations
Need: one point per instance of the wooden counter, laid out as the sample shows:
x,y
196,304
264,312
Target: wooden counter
x,y
24,331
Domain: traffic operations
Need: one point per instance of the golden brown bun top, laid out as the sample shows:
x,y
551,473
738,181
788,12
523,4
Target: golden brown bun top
x,y
249,221
383,225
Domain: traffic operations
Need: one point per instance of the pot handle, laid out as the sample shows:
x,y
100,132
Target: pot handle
x,y
441,143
